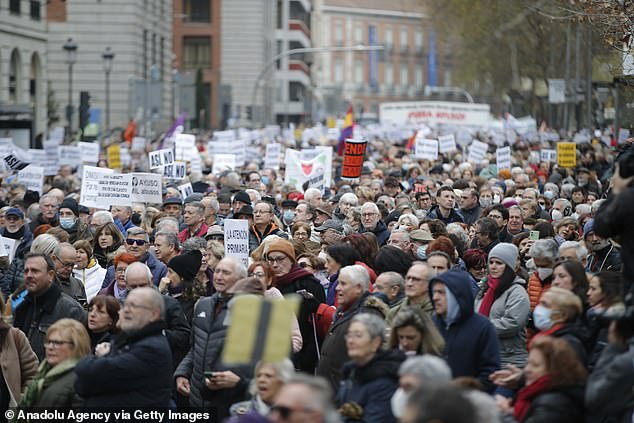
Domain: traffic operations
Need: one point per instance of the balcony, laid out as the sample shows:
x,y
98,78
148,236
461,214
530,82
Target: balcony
x,y
298,65
296,25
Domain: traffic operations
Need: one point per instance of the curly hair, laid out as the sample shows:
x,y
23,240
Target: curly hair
x,y
562,362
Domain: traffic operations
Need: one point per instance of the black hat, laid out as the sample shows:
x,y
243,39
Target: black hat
x,y
84,210
71,204
243,197
436,169
172,200
248,210
31,197
289,203
187,264
197,196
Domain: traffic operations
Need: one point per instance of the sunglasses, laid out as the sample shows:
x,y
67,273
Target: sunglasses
x,y
138,242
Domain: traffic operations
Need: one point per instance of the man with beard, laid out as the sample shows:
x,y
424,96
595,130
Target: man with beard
x,y
605,256
17,230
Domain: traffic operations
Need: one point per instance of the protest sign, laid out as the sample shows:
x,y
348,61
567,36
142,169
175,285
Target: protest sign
x,y
567,154
503,158
269,339
32,177
161,158
126,159
309,154
223,162
138,144
446,143
102,188
237,239
433,113
235,147
175,170
224,136
6,146
51,147
56,134
7,247
14,163
548,156
69,155
89,152
114,156
477,151
186,190
147,188
185,147
272,156
426,149
353,156
196,164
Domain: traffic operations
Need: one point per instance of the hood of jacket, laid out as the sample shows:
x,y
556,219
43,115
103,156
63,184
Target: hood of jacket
x,y
459,284
385,364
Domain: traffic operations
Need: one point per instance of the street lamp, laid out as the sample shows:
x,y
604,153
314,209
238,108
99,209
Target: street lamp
x,y
107,57
70,47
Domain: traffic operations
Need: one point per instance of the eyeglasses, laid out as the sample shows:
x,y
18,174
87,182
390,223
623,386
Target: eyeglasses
x,y
129,304
369,214
258,275
139,242
63,263
53,343
276,260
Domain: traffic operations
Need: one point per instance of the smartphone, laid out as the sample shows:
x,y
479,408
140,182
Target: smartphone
x,y
534,235
209,374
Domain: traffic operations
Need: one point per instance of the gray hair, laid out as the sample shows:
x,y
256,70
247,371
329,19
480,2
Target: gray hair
x,y
457,230
394,279
370,207
239,269
402,231
135,230
311,193
44,244
104,215
256,195
349,197
429,369
213,203
566,190
62,246
549,186
32,211
580,250
357,274
200,207
411,217
194,243
167,221
486,411
583,209
373,324
596,204
137,266
321,398
563,201
170,237
48,196
284,370
545,248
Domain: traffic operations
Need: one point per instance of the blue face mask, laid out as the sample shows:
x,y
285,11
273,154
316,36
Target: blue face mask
x,y
288,216
265,180
67,222
421,252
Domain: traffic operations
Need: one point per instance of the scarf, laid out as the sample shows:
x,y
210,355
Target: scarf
x,y
489,296
45,377
547,332
295,273
15,235
526,395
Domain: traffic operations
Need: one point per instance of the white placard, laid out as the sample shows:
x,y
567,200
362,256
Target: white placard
x,y
196,164
237,239
124,156
503,158
426,149
186,190
89,152
69,155
223,162
548,156
138,144
102,188
185,147
175,170
556,91
6,146
161,158
8,247
51,147
272,156
56,134
13,162
224,136
147,188
432,113
447,143
32,177
236,147
477,151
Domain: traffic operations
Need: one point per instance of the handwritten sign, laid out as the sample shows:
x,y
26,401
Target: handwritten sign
x,y
185,146
272,156
51,147
114,156
186,190
548,156
477,151
69,155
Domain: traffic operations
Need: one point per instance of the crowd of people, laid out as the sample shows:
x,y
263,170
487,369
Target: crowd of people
x,y
430,292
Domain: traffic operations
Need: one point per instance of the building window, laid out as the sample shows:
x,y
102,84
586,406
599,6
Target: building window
x,y
358,34
403,39
197,10
404,75
338,71
280,14
35,10
418,41
197,52
339,33
153,49
358,71
14,7
389,75
280,46
419,77
145,53
389,39
295,91
162,60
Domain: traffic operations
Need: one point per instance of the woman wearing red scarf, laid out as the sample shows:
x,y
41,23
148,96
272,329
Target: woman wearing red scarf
x,y
554,390
504,300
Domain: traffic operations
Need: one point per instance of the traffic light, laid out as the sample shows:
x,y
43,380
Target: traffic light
x,y
84,109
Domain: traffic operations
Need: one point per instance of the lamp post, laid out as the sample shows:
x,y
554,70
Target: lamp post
x,y
70,47
107,57
275,58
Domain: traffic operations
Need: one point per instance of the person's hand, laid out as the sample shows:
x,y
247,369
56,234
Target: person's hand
x,y
504,404
163,284
102,349
182,386
222,380
508,377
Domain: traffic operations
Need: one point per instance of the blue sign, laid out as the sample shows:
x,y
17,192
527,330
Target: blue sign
x,y
373,57
431,69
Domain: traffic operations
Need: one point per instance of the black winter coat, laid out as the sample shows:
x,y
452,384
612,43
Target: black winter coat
x,y
135,374
177,330
371,386
562,405
14,276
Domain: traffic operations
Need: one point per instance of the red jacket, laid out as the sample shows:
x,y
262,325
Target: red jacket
x,y
184,234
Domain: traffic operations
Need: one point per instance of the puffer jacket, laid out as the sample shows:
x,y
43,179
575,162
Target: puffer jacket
x,y
536,288
509,315
334,353
14,277
558,405
371,386
209,333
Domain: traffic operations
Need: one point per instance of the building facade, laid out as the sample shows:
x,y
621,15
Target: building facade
x,y
139,33
413,56
23,69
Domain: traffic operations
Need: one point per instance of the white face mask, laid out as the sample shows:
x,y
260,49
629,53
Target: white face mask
x,y
496,199
542,317
544,272
399,402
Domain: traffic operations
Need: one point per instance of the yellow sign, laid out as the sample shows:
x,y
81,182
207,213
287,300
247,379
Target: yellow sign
x,y
332,123
114,156
567,154
259,329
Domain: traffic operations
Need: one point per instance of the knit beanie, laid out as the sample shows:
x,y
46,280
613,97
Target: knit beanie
x,y
71,204
282,246
187,264
588,228
506,252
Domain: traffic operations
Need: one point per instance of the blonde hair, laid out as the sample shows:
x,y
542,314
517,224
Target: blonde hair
x,y
565,302
77,334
